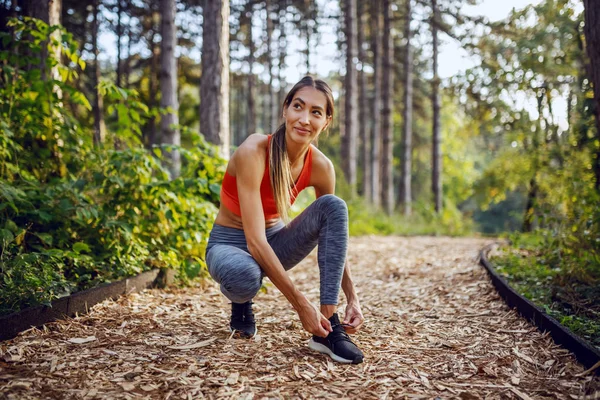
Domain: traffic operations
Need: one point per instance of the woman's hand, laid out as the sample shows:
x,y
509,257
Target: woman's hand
x,y
312,319
353,319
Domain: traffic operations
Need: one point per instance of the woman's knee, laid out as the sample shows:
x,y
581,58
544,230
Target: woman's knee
x,y
333,205
242,283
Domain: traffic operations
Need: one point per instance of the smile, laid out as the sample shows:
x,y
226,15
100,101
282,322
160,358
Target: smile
x,y
302,131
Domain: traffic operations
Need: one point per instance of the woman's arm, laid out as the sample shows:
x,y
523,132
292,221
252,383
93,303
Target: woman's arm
x,y
250,168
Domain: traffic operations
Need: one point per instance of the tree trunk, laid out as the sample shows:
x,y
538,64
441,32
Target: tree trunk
x,y
364,104
48,11
592,39
282,47
214,83
387,161
98,107
250,82
436,176
351,101
375,133
127,69
405,186
530,207
168,84
307,50
271,108
119,34
535,149
153,89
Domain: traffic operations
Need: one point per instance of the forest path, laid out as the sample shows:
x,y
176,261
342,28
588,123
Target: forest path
x,y
435,328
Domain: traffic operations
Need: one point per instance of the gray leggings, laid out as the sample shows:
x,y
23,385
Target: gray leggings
x,y
324,222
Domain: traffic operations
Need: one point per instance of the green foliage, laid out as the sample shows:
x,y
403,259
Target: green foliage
x,y
365,220
552,279
71,216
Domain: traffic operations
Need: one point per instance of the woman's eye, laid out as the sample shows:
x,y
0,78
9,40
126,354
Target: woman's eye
x,y
318,113
296,106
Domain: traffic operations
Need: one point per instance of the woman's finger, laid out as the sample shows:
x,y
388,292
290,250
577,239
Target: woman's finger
x,y
357,321
321,331
326,324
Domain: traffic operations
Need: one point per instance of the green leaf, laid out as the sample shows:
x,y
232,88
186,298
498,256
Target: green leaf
x,y
6,236
46,238
81,247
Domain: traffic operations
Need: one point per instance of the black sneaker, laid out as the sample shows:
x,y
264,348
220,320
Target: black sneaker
x,y
337,344
242,320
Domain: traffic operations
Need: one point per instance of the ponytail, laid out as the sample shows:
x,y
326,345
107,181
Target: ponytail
x,y
280,172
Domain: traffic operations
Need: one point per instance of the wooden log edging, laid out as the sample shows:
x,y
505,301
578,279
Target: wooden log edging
x,y
585,353
77,303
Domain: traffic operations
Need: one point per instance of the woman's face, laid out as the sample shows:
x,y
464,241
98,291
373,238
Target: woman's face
x,y
305,117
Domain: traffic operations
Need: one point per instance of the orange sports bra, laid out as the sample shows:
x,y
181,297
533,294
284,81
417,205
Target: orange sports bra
x,y
229,192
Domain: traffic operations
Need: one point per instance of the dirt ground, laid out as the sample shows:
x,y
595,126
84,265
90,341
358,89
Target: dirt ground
x,y
435,328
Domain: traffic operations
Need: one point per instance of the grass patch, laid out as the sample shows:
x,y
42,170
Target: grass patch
x,y
572,301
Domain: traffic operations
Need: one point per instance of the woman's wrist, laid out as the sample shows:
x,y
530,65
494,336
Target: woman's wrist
x,y
299,301
352,298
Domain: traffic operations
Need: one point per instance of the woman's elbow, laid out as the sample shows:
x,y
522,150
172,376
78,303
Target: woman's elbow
x,y
255,247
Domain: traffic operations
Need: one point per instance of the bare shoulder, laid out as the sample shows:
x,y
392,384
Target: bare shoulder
x,y
322,177
253,148
321,163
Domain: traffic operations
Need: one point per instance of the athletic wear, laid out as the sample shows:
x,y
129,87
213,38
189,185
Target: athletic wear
x,y
229,192
324,222
242,320
337,344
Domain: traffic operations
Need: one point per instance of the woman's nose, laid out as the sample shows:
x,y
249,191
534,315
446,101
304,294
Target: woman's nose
x,y
304,118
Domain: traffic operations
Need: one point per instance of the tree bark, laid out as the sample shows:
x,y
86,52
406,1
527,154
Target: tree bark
x,y
168,84
376,129
592,39
127,68
351,101
271,108
214,83
405,186
436,176
528,218
119,34
282,46
98,107
387,161
364,104
153,89
250,78
48,11
530,206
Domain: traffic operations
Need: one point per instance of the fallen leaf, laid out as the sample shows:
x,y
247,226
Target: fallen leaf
x,y
148,388
127,386
193,346
232,379
82,340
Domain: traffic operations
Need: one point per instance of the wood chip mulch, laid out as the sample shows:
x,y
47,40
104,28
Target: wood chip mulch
x,y
435,329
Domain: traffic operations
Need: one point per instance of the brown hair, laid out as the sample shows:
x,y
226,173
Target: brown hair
x,y
279,163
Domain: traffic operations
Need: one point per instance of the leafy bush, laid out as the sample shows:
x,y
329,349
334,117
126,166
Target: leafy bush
x,y
73,216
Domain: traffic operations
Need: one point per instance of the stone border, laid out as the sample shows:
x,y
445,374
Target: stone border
x,y
586,354
80,302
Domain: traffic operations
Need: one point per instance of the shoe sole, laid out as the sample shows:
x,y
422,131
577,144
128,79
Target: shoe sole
x,y
321,348
242,335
